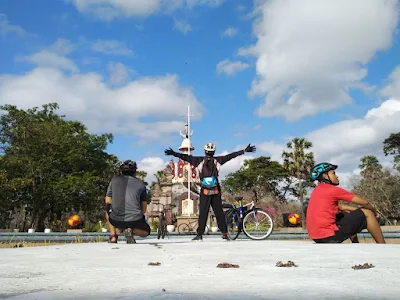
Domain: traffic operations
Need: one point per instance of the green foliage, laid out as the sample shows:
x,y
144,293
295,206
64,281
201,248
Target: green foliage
x,y
298,162
154,224
141,175
50,165
379,186
391,146
260,174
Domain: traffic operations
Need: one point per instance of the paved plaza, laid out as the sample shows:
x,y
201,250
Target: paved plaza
x,y
188,270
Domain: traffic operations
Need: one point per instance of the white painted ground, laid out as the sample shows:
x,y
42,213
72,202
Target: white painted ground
x,y
188,270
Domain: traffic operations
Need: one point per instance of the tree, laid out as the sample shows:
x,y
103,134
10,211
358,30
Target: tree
x,y
370,166
53,166
141,175
369,162
259,174
298,162
379,186
391,146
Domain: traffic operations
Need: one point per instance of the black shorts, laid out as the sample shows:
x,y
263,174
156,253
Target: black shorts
x,y
349,224
140,224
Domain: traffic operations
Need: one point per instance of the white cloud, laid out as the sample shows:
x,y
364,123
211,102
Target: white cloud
x,y
112,47
46,58
119,73
345,142
104,108
241,8
231,67
62,46
54,56
182,26
310,53
8,29
272,149
230,32
392,89
151,165
234,164
112,9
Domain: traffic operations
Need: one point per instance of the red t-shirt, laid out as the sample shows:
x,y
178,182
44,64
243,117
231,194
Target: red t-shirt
x,y
322,209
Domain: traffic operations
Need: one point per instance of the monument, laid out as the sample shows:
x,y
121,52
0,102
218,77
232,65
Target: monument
x,y
185,180
178,184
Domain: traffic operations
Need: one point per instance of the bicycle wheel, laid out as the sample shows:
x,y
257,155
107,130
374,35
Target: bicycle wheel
x,y
183,228
257,224
233,224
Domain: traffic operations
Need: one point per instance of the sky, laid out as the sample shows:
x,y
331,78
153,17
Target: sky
x,y
259,72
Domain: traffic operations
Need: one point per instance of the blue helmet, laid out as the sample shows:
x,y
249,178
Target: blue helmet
x,y
320,168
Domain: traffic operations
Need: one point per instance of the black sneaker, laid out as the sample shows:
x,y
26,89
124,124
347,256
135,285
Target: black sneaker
x,y
129,237
198,238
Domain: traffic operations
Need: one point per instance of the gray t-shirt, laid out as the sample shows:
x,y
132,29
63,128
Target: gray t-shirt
x,y
127,194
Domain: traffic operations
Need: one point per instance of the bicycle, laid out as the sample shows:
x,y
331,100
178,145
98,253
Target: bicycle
x,y
239,219
188,228
162,223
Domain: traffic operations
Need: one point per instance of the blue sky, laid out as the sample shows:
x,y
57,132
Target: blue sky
x,y
124,69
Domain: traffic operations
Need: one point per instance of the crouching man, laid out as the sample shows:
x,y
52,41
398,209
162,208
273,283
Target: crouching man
x,y
128,199
331,222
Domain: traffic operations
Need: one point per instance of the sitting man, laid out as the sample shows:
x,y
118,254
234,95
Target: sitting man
x,y
210,194
324,225
128,199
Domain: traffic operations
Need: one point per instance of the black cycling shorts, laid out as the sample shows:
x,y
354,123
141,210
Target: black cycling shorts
x,y
349,224
140,224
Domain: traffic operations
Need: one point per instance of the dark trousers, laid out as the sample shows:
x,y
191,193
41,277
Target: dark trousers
x,y
216,202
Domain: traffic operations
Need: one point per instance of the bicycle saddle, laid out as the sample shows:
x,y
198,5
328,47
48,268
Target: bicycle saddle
x,y
238,198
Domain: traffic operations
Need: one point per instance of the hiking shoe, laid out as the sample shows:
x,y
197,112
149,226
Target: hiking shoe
x,y
225,237
129,236
198,238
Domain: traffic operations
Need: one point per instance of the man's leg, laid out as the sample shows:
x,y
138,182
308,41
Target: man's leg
x,y
373,226
205,202
216,203
354,239
113,232
141,228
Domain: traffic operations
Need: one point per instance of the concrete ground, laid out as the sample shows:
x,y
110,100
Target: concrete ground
x,y
189,270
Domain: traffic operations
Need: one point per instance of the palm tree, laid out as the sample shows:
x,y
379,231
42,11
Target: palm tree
x,y
141,175
299,162
159,175
369,163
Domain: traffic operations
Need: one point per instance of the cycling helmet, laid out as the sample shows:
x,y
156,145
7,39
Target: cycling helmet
x,y
321,168
209,147
127,166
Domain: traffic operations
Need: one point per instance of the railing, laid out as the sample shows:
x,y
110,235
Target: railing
x,y
68,237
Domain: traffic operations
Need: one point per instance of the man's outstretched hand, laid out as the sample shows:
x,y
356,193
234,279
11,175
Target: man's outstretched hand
x,y
169,151
250,148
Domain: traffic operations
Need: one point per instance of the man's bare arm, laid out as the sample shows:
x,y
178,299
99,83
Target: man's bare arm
x,y
144,207
346,207
364,203
108,200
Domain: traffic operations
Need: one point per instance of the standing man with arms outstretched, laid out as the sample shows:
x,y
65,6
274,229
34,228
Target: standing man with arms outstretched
x,y
210,194
324,224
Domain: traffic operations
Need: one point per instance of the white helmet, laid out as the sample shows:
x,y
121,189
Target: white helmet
x,y
209,147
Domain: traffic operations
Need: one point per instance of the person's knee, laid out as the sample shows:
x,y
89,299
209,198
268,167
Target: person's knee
x,y
142,233
368,213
